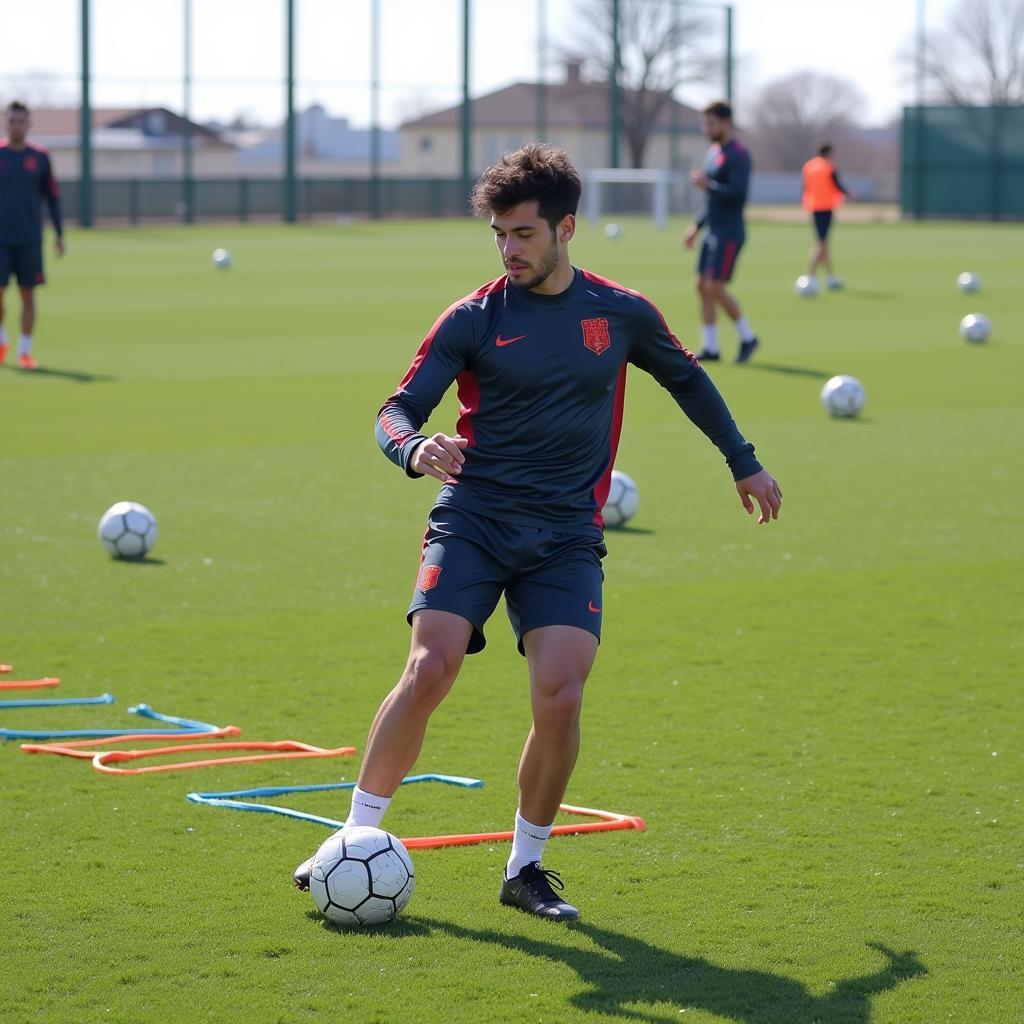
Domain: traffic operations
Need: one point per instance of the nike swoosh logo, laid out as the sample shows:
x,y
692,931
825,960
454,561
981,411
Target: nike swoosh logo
x,y
502,342
591,608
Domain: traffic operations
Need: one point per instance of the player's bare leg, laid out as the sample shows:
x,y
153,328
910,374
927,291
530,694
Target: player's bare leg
x,y
708,319
724,298
28,322
560,659
436,652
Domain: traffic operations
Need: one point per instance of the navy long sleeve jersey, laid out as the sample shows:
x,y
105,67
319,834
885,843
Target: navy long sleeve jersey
x,y
26,181
541,383
728,172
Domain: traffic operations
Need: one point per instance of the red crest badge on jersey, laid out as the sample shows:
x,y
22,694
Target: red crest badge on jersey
x,y
30,163
595,335
429,576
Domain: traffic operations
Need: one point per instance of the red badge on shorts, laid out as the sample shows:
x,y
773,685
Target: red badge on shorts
x,y
428,577
595,335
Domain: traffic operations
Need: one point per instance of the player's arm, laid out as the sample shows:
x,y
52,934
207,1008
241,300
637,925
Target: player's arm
x,y
659,352
839,185
444,354
51,194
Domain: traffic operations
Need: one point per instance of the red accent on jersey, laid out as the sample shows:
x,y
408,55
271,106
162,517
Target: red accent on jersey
x,y
31,163
487,289
595,335
396,435
502,342
469,404
605,483
727,262
608,282
429,577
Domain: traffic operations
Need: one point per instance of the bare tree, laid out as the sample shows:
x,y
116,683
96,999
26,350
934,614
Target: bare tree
x,y
794,114
661,46
37,89
978,59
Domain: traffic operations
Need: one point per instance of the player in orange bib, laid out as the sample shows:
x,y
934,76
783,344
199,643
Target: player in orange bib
x,y
823,193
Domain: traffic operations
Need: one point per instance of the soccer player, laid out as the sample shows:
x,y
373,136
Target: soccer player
x,y
823,193
539,356
725,178
26,179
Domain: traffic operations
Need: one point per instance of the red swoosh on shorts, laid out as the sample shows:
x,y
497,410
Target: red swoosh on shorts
x,y
591,608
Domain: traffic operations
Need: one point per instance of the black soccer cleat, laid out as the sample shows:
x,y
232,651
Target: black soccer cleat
x,y
301,875
531,891
746,350
707,356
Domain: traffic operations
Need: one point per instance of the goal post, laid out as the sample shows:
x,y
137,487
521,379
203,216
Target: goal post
x,y
661,184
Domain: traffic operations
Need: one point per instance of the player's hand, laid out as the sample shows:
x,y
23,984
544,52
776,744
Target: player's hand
x,y
59,246
699,178
763,488
690,236
439,456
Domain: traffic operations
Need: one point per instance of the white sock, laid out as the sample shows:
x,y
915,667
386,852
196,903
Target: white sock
x,y
24,344
743,328
367,809
709,333
527,845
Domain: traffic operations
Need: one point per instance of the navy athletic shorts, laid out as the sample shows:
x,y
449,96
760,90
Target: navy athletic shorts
x,y
822,223
549,578
24,261
718,254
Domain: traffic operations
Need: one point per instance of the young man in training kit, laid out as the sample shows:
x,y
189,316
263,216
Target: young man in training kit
x,y
26,179
823,193
539,356
725,178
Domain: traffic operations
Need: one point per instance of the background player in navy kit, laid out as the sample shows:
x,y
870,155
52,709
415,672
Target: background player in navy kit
x,y
26,179
540,356
725,178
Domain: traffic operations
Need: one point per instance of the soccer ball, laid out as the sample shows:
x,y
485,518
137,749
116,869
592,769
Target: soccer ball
x,y
975,327
623,500
806,286
612,231
128,530
968,282
361,875
221,258
843,396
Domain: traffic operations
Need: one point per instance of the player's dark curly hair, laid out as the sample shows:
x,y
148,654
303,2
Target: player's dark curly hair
x,y
15,105
720,109
537,171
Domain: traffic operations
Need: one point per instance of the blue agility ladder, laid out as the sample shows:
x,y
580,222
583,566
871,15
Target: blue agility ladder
x,y
185,726
226,799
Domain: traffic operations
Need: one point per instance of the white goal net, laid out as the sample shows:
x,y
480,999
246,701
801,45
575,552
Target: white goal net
x,y
608,190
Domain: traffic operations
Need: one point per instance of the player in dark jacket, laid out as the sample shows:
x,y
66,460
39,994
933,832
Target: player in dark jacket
x,y
539,357
26,182
725,178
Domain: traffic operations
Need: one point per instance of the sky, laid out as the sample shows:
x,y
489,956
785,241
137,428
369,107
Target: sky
x,y
238,63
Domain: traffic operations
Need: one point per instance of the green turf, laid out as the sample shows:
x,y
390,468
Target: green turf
x,y
819,720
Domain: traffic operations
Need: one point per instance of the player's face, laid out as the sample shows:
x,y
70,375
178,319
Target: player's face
x,y
528,246
17,126
715,128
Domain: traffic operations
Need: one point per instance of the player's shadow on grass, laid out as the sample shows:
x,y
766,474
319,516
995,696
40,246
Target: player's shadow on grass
x,y
793,371
628,529
144,560
79,376
626,972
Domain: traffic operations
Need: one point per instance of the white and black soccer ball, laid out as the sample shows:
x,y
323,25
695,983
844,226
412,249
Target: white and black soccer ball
x,y
221,258
361,875
128,530
968,282
975,327
806,286
612,231
843,396
623,500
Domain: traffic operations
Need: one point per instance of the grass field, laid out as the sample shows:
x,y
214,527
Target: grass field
x,y
819,720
